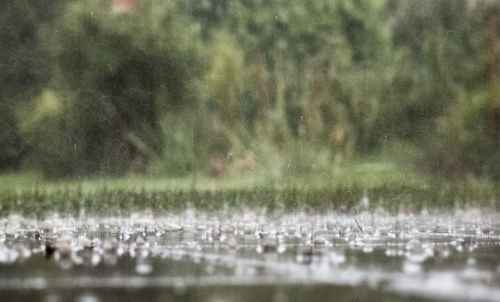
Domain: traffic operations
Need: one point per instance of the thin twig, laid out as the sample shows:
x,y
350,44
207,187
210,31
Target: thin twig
x,y
359,226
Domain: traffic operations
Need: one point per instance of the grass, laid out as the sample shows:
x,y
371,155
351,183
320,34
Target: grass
x,y
386,184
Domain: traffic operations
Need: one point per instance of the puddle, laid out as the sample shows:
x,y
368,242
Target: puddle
x,y
253,255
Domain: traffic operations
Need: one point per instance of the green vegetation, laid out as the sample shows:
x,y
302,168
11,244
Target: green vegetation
x,y
392,98
386,186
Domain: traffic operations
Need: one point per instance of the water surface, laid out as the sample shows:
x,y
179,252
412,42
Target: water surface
x,y
251,255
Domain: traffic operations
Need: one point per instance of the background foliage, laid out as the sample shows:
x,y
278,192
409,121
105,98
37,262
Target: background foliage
x,y
221,87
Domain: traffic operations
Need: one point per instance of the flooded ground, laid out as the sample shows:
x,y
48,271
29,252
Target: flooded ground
x,y
252,255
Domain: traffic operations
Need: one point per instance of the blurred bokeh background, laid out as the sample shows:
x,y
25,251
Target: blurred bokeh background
x,y
232,87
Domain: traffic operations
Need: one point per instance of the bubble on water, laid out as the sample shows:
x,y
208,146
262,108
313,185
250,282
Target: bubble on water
x,y
319,241
143,267
416,251
63,248
367,249
249,228
414,244
281,248
259,249
95,259
392,234
85,243
227,228
140,241
109,245
172,227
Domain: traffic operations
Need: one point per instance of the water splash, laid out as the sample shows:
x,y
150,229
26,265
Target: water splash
x,y
400,252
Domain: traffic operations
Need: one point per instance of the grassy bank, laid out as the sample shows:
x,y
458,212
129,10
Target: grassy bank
x,y
389,185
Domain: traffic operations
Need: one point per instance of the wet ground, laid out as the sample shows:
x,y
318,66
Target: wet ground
x,y
252,255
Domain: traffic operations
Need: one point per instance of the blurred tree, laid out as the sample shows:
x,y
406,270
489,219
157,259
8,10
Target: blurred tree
x,y
439,52
311,69
446,87
24,69
492,114
209,13
115,74
316,66
120,85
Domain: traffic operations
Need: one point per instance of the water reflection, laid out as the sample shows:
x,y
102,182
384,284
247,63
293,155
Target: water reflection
x,y
378,251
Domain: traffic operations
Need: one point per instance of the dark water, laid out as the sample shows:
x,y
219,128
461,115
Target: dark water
x,y
253,256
